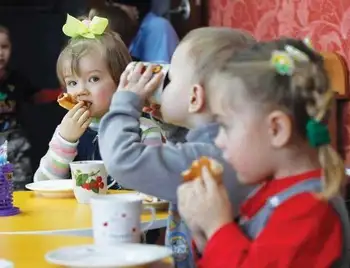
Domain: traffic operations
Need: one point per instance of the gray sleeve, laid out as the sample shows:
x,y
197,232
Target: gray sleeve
x,y
153,170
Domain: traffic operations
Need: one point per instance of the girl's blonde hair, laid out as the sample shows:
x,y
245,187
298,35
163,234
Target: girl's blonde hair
x,y
304,95
210,46
109,44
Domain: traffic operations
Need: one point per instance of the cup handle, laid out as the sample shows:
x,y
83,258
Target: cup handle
x,y
111,184
153,217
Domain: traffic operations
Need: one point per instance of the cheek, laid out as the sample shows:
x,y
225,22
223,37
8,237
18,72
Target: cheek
x,y
103,95
231,145
7,53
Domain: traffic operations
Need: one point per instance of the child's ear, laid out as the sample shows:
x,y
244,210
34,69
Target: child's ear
x,y
197,99
280,128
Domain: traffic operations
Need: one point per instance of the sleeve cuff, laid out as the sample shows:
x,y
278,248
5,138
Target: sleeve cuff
x,y
64,142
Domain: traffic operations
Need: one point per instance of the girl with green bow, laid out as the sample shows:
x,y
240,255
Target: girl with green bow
x,y
272,102
89,68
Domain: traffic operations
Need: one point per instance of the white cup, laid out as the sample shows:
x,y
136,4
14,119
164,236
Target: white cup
x,y
90,179
116,218
159,67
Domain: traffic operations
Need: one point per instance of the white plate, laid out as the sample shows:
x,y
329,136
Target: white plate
x,y
52,188
123,255
156,203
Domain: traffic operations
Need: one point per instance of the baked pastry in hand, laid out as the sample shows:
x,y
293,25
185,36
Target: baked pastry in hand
x,y
195,171
67,101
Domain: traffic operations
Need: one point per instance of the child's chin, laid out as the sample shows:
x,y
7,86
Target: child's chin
x,y
96,114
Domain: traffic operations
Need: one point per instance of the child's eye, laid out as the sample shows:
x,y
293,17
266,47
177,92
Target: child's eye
x,y
71,83
94,79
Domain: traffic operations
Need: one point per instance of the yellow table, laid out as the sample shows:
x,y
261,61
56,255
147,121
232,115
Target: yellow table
x,y
44,214
28,251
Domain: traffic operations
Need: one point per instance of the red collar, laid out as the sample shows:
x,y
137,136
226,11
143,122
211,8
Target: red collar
x,y
270,188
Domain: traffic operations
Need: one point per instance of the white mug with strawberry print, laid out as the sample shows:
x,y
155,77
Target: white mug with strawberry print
x,y
90,179
116,218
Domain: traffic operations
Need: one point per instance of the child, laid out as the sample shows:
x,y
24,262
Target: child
x,y
271,105
15,91
90,67
155,170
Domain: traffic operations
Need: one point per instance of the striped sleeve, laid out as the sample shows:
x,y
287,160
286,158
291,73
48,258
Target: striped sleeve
x,y
55,163
151,132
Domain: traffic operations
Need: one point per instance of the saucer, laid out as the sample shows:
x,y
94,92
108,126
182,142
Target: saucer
x,y
116,256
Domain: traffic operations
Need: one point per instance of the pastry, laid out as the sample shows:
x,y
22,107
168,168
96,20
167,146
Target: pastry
x,y
195,171
156,69
67,101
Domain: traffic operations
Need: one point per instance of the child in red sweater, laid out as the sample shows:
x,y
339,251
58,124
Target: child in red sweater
x,y
271,101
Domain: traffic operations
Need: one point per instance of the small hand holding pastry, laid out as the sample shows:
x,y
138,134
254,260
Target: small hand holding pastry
x,y
203,201
75,123
141,83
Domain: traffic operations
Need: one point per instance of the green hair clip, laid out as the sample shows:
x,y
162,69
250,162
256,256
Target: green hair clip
x,y
282,62
317,133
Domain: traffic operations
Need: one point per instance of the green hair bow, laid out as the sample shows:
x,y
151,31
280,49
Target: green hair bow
x,y
86,28
317,133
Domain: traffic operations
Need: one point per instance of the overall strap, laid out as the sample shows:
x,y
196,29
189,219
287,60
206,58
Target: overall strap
x,y
252,227
312,185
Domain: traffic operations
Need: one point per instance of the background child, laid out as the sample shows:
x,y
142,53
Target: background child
x,y
155,170
15,91
156,38
271,102
89,68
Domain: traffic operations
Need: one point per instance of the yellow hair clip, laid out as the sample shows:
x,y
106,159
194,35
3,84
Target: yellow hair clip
x,y
282,62
88,29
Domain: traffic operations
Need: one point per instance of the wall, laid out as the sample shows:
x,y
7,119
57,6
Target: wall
x,y
37,38
326,22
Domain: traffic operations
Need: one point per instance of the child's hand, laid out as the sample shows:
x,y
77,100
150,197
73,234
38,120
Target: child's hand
x,y
74,123
141,84
204,204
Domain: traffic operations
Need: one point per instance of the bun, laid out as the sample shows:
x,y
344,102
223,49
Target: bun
x,y
195,171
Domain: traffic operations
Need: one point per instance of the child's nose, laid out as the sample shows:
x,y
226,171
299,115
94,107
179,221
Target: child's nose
x,y
83,92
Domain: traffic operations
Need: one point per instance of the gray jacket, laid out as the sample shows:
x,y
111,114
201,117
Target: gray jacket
x,y
155,170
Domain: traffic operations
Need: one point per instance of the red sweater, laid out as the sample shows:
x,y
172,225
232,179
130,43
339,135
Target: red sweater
x,y
302,232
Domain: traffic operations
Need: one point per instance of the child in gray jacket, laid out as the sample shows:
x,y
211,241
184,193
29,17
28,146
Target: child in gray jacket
x,y
156,170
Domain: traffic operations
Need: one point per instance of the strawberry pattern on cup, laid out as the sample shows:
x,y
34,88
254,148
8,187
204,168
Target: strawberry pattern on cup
x,y
89,181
